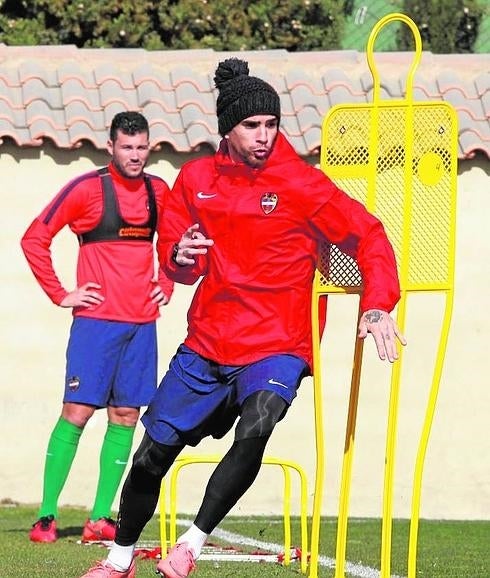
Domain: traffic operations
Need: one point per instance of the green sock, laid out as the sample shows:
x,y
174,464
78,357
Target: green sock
x,y
61,451
114,457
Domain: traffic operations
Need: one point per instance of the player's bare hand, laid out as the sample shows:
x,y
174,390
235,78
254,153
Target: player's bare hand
x,y
191,244
384,331
158,296
85,296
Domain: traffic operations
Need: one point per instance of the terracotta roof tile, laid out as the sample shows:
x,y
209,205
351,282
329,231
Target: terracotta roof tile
x,y
269,76
112,109
290,126
69,95
296,78
146,73
17,117
302,96
298,142
149,91
447,80
192,113
395,87
198,134
481,129
34,70
485,101
307,118
182,74
111,91
469,144
161,133
39,109
287,106
341,94
34,89
73,90
82,131
172,120
11,95
313,139
156,110
41,128
77,111
187,93
367,81
482,83
427,91
324,103
106,73
71,70
337,78
20,136
9,77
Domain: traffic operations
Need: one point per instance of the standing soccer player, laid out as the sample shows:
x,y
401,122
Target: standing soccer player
x,y
248,220
111,359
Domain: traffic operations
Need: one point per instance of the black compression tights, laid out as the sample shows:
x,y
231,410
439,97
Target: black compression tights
x,y
240,466
233,476
230,480
139,496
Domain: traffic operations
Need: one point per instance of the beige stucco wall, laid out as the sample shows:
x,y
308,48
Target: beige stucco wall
x,y
457,475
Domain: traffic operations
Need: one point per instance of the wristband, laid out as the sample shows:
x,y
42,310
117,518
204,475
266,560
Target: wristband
x,y
175,251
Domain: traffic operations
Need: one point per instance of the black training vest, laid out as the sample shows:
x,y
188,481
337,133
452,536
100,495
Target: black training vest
x,y
112,227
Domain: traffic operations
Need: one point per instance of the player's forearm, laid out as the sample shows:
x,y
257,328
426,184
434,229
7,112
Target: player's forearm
x,y
36,244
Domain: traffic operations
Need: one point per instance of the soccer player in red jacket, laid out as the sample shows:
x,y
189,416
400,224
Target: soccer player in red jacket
x,y
247,221
112,350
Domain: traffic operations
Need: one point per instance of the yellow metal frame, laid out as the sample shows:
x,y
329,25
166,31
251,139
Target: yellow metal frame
x,y
399,158
286,465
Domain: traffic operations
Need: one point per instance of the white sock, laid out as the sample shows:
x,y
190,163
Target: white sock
x,y
195,538
121,556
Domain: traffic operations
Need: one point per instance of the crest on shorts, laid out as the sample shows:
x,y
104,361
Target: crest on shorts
x,y
268,202
73,383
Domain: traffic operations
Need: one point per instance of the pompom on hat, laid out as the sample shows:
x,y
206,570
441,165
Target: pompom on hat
x,y
241,95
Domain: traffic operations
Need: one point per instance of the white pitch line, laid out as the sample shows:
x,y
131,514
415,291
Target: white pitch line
x,y
356,570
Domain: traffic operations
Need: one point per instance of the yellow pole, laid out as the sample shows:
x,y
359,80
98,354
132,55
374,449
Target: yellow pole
x,y
319,441
426,428
350,432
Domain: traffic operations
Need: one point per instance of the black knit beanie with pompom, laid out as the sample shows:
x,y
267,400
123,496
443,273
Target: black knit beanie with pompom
x,y
241,95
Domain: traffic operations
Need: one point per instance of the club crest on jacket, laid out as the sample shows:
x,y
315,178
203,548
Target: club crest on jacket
x,y
268,202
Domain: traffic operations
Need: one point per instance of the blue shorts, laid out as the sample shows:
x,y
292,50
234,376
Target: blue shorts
x,y
110,363
198,397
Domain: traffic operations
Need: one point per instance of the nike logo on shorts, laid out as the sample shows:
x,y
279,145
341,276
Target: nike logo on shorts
x,y
274,382
201,195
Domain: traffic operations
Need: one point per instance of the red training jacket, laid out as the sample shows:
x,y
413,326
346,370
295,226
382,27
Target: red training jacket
x,y
255,297
124,269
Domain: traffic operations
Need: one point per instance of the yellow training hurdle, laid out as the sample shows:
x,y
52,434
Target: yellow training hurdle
x,y
287,467
398,157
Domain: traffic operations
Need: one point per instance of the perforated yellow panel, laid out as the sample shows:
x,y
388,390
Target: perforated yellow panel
x,y
398,159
